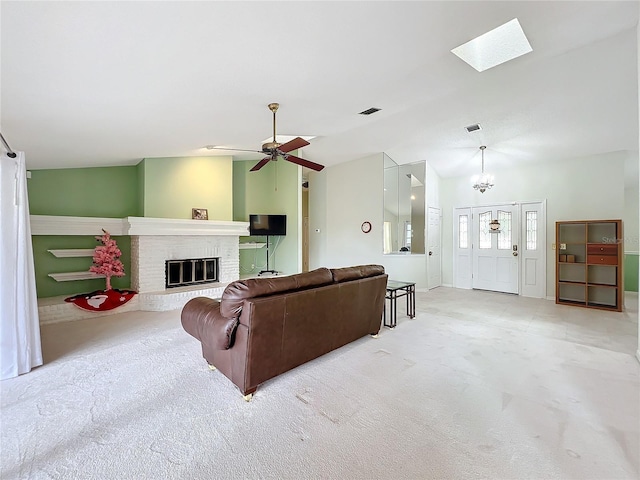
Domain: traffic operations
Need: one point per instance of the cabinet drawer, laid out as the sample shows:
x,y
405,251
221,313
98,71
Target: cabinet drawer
x,y
602,259
602,249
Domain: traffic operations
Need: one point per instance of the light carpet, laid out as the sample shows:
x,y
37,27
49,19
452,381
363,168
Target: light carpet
x,y
442,396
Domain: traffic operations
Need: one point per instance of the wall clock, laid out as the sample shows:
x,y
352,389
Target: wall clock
x,y
366,227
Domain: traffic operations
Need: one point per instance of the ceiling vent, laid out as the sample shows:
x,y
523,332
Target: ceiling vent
x,y
369,111
473,128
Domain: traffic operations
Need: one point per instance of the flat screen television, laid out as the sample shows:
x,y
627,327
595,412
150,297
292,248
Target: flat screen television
x,y
267,224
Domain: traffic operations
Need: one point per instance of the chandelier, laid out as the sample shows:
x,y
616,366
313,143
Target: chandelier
x,y
484,181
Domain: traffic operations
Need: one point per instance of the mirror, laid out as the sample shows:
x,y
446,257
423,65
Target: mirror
x,y
404,207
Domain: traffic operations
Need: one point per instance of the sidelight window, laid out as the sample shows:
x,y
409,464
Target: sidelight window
x,y
532,230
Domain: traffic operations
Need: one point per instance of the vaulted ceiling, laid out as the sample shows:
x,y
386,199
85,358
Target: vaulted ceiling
x,y
110,83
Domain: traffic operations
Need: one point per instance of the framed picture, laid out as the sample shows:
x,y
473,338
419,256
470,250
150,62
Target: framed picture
x,y
199,214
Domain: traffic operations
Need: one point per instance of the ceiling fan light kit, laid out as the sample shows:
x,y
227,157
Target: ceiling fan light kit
x,y
484,181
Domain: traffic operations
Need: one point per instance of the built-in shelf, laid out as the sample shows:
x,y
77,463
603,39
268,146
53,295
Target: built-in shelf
x,y
72,252
70,276
244,246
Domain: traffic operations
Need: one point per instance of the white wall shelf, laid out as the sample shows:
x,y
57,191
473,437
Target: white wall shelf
x,y
245,246
70,276
72,252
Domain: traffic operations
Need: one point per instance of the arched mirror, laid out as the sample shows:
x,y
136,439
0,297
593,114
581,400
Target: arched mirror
x,y
404,207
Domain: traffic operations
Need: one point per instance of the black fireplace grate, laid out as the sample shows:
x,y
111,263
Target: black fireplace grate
x,y
191,271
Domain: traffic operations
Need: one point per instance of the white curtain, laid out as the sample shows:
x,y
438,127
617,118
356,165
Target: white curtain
x,y
19,323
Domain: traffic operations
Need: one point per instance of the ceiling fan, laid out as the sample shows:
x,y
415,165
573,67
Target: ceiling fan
x,y
273,149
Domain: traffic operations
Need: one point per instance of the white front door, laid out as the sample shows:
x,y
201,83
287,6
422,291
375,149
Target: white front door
x,y
495,259
533,252
434,265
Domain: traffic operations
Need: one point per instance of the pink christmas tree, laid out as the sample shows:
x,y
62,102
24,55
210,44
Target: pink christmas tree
x,y
106,259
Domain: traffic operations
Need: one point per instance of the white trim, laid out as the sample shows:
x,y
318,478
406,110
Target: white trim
x,y
70,276
631,253
62,225
171,226
72,252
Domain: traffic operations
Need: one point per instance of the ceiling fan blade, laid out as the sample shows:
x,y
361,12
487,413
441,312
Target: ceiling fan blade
x,y
293,144
305,163
260,164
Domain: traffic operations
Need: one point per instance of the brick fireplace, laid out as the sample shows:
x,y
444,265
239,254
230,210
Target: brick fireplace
x,y
150,252
153,242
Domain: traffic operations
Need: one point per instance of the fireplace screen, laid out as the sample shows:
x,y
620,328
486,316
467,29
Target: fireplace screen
x,y
192,271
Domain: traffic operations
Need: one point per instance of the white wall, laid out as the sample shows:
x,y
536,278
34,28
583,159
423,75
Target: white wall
x,y
638,80
588,188
433,187
343,196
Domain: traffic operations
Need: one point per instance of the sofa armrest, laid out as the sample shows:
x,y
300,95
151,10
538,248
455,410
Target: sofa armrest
x,y
202,319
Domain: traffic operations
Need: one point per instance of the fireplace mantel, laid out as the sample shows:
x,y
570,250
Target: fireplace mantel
x,y
63,225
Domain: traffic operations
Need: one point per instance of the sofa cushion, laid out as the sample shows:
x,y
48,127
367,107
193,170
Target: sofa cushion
x,y
236,292
354,273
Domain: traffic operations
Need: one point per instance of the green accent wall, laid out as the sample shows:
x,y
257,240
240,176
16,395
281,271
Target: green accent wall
x,y
110,192
274,189
85,192
46,263
140,169
171,187
630,272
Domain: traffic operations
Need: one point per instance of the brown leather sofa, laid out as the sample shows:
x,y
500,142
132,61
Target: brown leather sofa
x,y
263,327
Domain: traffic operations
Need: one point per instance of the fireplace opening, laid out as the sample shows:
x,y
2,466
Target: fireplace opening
x,y
191,271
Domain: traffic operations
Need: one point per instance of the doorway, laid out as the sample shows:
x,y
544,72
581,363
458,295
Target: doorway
x,y
495,253
501,248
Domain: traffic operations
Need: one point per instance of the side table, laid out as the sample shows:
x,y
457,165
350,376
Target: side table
x,y
395,290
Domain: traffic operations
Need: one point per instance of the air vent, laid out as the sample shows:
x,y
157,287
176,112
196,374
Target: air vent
x,y
369,111
473,128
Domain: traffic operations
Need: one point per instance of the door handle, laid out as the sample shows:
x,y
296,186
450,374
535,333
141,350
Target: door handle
x,y
515,254
430,253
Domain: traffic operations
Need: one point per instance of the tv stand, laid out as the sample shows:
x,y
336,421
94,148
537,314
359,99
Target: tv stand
x,y
274,272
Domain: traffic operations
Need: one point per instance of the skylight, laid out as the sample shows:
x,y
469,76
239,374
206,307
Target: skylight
x,y
497,46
